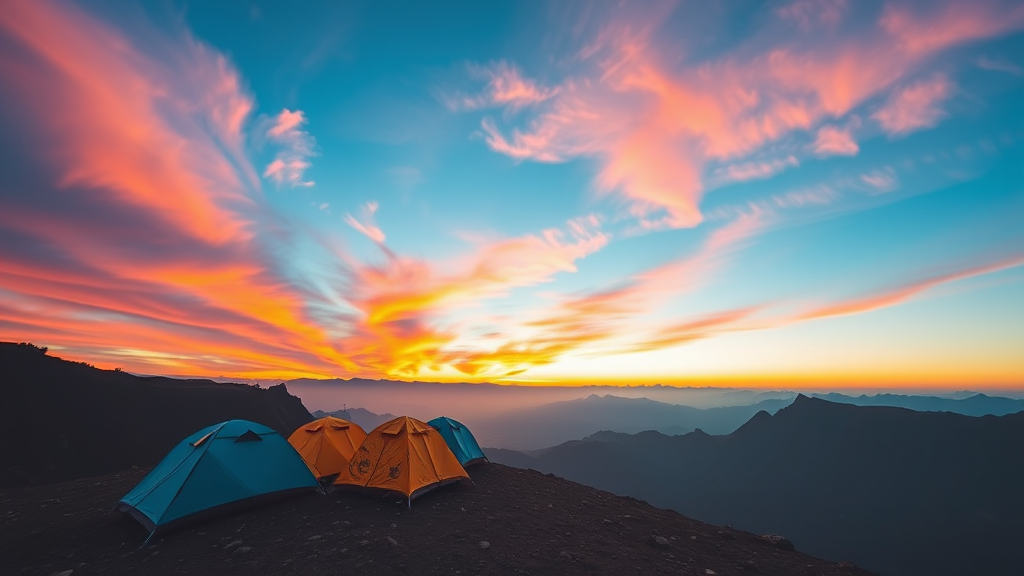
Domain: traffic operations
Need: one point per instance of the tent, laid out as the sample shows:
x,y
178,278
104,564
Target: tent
x,y
402,455
232,464
327,444
460,440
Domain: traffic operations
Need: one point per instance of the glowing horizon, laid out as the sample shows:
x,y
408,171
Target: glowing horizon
x,y
812,192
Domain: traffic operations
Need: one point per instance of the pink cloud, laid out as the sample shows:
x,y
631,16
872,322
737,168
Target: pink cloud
x,y
506,86
653,122
135,228
290,164
880,181
755,170
811,13
834,141
366,225
914,107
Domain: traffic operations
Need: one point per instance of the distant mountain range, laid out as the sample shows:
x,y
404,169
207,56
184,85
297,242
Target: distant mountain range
x,y
367,420
542,426
61,420
972,404
903,492
538,427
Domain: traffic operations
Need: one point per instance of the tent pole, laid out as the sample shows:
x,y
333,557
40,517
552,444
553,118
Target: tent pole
x,y
410,502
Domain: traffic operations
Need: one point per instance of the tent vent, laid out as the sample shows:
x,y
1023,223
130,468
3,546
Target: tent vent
x,y
249,436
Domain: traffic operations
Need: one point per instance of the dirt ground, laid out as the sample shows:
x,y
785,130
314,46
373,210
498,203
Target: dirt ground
x,y
508,521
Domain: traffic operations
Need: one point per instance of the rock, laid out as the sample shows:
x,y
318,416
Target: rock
x,y
243,549
750,566
780,542
233,543
709,571
313,537
364,542
392,541
661,540
565,555
484,544
394,525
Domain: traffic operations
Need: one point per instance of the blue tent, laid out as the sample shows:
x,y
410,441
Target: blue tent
x,y
460,440
232,464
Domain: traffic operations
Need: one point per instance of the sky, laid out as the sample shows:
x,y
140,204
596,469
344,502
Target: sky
x,y
814,193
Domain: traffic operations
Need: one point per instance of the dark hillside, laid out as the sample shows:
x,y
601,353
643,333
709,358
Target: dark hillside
x,y
61,420
508,521
898,491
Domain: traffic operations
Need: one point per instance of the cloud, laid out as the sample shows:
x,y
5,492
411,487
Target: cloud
x,y
809,14
653,123
1000,65
900,294
290,164
755,170
401,301
366,226
834,141
132,226
914,107
880,181
506,86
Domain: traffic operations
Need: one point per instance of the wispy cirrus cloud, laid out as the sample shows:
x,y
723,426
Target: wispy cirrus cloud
x,y
914,107
505,87
365,225
653,124
297,146
137,206
834,141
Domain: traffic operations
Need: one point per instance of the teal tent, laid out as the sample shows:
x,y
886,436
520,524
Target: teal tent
x,y
460,440
233,464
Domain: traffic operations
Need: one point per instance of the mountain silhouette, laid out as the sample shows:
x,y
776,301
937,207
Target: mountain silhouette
x,y
974,404
898,491
61,420
548,424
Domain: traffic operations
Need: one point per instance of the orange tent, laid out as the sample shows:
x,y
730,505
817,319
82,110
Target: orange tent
x,y
403,455
327,444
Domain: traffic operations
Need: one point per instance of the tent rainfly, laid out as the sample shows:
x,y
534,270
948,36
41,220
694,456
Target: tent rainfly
x,y
231,465
327,444
402,455
460,440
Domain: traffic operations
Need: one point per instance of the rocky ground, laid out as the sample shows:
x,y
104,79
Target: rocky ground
x,y
509,521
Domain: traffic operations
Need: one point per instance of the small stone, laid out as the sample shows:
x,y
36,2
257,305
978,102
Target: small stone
x,y
661,541
313,537
63,573
484,544
233,543
243,549
750,566
565,555
392,541
709,571
394,525
364,542
780,542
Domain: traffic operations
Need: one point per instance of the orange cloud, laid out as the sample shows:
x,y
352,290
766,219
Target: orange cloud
x,y
140,206
901,294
